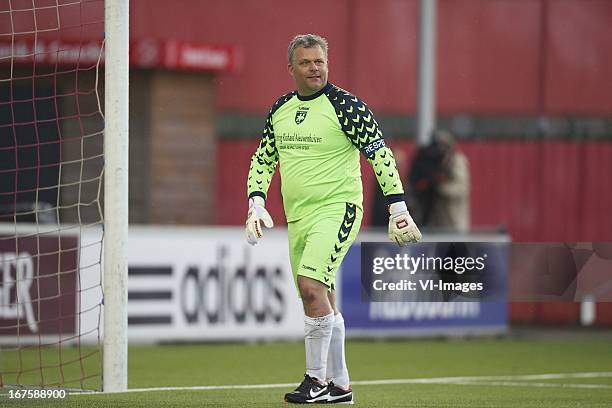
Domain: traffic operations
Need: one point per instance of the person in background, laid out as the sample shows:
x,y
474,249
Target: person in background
x,y
439,185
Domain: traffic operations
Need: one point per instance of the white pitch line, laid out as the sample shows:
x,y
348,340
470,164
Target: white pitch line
x,y
603,374
532,384
450,380
505,380
402,381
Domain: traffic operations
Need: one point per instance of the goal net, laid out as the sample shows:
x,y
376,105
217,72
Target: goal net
x,y
51,167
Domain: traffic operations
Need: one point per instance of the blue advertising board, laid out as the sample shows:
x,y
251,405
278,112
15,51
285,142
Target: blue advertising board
x,y
454,317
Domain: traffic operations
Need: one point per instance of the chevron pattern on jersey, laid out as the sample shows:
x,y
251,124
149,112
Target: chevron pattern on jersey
x,y
386,172
355,118
265,159
359,125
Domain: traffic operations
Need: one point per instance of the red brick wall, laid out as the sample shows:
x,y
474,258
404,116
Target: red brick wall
x,y
182,149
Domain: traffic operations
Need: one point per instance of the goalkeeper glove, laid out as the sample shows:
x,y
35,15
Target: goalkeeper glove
x,y
256,215
402,228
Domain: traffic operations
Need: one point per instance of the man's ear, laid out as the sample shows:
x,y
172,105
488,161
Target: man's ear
x,y
290,69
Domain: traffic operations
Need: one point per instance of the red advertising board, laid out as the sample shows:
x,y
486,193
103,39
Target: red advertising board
x,y
38,285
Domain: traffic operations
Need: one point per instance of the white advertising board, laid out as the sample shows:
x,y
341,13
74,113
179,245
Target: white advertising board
x,y
208,283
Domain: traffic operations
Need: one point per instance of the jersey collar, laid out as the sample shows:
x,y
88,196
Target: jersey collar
x,y
316,94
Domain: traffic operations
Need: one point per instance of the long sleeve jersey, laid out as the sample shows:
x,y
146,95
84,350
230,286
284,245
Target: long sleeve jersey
x,y
317,140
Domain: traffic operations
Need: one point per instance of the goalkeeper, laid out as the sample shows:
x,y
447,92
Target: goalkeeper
x,y
316,134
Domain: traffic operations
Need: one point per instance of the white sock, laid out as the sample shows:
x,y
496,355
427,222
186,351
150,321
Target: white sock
x,y
336,360
317,335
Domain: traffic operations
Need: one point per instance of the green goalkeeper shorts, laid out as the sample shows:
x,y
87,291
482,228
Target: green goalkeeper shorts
x,y
318,243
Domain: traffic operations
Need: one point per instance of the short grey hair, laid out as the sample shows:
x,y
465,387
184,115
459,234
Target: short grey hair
x,y
306,41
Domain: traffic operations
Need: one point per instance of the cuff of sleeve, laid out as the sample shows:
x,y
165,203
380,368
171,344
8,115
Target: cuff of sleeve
x,y
257,194
394,198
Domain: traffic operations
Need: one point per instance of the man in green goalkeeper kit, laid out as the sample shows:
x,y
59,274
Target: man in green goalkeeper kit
x,y
317,133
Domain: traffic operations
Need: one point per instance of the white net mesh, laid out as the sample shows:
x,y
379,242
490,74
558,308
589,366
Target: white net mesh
x,y
51,166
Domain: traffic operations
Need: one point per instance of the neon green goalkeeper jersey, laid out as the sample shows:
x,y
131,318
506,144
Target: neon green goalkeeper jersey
x,y
317,140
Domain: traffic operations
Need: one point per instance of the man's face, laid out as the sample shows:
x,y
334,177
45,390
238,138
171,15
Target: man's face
x,y
309,69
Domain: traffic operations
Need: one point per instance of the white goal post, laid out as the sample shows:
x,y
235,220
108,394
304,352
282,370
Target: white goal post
x,y
116,94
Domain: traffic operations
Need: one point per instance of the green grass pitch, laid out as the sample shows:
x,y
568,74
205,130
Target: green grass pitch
x,y
493,373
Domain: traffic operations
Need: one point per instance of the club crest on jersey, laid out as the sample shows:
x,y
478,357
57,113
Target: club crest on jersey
x,y
300,115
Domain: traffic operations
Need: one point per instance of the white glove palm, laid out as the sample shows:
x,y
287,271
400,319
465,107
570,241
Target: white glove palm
x,y
256,215
402,228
